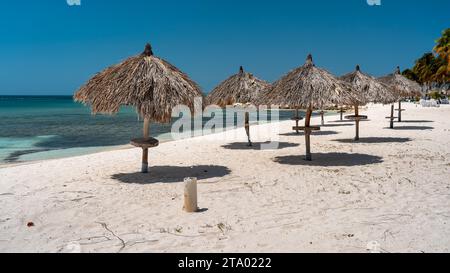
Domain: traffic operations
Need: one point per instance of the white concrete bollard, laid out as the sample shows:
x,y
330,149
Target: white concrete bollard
x,y
190,194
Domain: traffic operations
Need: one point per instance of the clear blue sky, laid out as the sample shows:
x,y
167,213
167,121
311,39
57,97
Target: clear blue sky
x,y
49,47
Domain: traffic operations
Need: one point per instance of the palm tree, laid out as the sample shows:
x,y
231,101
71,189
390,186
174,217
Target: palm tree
x,y
408,73
442,47
429,68
433,66
442,74
424,68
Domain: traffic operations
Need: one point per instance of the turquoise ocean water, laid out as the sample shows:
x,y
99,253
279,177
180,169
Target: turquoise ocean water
x,y
45,127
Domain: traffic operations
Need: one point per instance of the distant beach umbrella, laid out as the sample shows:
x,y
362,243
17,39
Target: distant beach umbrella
x,y
367,89
240,88
402,87
150,84
309,87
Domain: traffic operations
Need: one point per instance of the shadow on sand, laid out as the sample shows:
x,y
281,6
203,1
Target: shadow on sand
x,y
345,121
314,133
330,160
338,121
411,128
375,140
338,124
172,174
259,145
414,121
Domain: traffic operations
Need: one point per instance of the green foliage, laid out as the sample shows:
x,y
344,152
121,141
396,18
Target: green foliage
x,y
408,73
443,45
435,95
433,67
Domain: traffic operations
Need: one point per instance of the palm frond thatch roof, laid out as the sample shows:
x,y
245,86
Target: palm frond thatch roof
x,y
309,86
369,89
242,87
402,86
150,84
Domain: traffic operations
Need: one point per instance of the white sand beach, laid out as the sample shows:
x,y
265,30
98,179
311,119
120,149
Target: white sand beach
x,y
390,192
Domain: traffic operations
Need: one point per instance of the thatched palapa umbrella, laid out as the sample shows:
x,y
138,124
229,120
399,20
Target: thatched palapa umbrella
x,y
243,88
402,87
309,87
150,84
367,89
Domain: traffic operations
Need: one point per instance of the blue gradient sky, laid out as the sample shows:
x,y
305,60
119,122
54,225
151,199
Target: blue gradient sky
x,y
49,47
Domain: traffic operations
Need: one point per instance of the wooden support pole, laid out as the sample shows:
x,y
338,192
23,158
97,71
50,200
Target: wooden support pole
x,y
146,133
296,120
247,128
144,168
342,113
190,194
308,117
399,111
391,125
357,122
146,130
308,156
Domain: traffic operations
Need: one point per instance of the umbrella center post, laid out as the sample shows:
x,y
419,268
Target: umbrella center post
x,y
357,122
144,168
308,156
391,117
296,118
341,111
308,129
357,118
146,134
400,111
322,118
357,130
391,125
247,128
